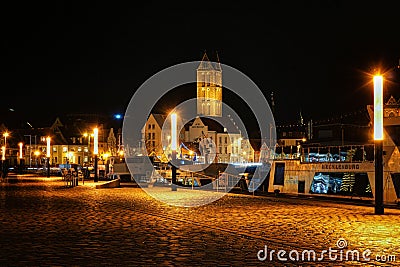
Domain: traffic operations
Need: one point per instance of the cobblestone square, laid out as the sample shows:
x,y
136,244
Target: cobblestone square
x,y
45,223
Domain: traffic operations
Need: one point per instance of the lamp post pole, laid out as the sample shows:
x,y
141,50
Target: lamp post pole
x,y
173,148
378,138
21,158
96,152
3,157
48,155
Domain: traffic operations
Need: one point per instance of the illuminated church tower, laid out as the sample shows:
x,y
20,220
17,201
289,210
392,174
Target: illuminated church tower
x,y
209,88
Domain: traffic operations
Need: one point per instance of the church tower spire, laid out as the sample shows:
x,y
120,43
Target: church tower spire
x,y
209,88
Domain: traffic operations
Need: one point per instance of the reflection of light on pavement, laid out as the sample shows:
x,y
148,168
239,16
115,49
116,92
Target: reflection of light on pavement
x,y
184,197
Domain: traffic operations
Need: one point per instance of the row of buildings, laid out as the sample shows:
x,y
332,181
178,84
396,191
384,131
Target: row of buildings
x,y
211,134
71,141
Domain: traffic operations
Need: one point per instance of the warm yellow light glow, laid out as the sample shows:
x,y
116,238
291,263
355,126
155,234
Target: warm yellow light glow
x,y
6,134
85,135
378,107
48,139
96,141
3,153
239,142
190,152
304,139
37,153
105,156
121,152
173,131
20,149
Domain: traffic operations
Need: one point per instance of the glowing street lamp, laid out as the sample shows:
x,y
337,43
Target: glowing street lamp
x,y
20,144
95,152
48,155
378,139
6,134
21,163
3,153
378,107
173,148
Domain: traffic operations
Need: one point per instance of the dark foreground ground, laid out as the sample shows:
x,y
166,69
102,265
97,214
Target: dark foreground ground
x,y
44,223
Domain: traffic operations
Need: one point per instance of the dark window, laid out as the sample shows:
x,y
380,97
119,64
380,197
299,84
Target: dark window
x,y
279,176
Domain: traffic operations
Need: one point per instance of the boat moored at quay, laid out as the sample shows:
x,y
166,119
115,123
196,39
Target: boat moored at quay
x,y
344,171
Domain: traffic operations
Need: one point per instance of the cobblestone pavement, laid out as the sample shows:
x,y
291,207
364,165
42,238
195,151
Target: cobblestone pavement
x,y
44,223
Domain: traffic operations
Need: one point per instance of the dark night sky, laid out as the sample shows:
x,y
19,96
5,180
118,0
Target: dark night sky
x,y
90,57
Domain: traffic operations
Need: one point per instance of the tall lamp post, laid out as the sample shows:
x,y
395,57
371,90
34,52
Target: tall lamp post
x,y
173,148
48,155
378,139
95,152
6,134
21,157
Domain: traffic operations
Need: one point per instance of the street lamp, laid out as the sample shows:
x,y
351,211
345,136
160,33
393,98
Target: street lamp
x,y
378,139
173,148
6,134
95,152
48,155
20,144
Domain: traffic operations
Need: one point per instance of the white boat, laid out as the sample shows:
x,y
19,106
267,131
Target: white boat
x,y
342,171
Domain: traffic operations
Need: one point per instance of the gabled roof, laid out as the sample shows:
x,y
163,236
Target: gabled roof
x,y
159,118
392,102
216,124
205,63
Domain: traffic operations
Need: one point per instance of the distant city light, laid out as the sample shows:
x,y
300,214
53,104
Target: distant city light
x,y
118,116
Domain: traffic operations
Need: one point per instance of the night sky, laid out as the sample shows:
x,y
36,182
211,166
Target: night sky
x,y
314,56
